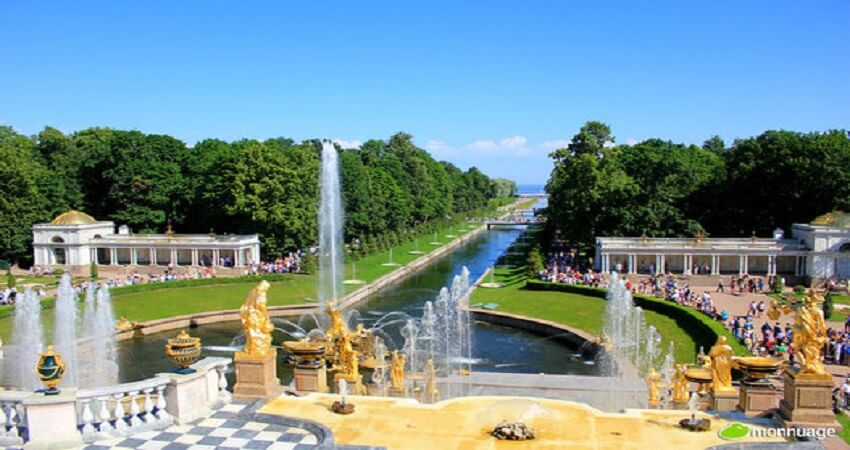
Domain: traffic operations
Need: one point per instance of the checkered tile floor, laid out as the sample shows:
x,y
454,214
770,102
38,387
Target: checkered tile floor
x,y
223,430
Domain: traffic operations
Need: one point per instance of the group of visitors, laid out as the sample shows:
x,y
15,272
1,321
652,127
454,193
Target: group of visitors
x,y
291,263
562,266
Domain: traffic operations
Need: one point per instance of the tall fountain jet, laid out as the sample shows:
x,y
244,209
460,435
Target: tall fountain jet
x,y
65,334
23,352
330,229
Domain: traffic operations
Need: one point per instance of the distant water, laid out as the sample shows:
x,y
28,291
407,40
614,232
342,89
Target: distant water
x,y
530,189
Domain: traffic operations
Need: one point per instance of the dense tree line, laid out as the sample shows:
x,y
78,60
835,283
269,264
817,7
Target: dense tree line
x,y
270,187
659,188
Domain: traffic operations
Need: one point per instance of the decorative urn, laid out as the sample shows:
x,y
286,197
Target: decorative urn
x,y
50,370
184,350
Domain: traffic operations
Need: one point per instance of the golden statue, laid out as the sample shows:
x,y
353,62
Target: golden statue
x,y
680,385
431,382
337,328
721,365
653,380
809,333
397,371
256,323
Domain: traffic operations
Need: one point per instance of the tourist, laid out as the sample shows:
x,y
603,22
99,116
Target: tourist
x,y
845,390
720,286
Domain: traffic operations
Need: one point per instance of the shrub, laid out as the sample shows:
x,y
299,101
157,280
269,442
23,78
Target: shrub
x,y
11,281
827,305
309,263
799,289
93,271
59,272
534,263
778,285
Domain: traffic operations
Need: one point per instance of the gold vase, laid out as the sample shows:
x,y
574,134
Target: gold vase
x,y
183,350
50,370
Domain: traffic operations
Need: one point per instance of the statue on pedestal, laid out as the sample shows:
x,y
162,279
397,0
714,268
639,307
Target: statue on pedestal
x,y
721,365
256,322
653,380
809,332
397,371
680,385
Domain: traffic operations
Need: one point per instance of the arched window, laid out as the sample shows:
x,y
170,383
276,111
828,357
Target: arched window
x,y
57,240
845,248
97,236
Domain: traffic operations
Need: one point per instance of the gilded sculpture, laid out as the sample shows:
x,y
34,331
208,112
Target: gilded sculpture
x,y
680,385
809,333
397,371
256,322
653,381
431,381
721,365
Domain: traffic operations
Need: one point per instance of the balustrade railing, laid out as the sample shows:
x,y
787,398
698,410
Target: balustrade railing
x,y
13,418
113,411
123,409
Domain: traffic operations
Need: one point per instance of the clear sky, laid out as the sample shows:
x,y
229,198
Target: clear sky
x,y
494,84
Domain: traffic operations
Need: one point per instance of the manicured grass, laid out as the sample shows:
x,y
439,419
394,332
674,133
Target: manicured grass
x,y
583,312
844,421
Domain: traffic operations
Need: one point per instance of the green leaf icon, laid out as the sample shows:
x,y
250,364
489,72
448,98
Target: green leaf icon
x,y
734,431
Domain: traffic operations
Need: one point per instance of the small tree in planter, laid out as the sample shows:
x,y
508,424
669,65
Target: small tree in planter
x,y
93,271
827,306
10,279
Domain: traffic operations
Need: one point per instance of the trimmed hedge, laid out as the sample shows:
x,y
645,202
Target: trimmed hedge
x,y
703,329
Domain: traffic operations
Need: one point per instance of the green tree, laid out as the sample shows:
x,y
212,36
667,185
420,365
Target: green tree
x,y
22,203
93,274
828,307
11,281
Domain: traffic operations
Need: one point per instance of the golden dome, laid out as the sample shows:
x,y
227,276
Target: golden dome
x,y
73,217
834,219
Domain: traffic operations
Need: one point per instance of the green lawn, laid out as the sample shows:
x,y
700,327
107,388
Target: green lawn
x,y
579,311
844,421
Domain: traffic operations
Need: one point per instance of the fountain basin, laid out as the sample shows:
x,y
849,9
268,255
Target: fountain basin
x,y
758,368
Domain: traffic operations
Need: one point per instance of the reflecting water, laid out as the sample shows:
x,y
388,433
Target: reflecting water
x,y
495,348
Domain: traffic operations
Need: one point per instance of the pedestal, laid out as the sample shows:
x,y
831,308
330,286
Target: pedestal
x,y
724,401
256,376
757,398
807,402
311,379
52,420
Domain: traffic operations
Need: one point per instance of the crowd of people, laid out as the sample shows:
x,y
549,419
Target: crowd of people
x,y
562,266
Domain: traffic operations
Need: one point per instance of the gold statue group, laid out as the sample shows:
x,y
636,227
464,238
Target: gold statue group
x,y
345,351
809,338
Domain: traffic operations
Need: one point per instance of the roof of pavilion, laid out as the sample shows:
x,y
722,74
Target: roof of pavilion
x,y
73,217
833,219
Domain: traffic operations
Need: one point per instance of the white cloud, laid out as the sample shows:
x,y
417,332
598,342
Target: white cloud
x,y
554,144
631,141
483,145
513,142
347,144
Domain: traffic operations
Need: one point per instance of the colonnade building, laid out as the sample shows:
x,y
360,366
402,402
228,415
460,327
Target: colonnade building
x,y
817,250
75,238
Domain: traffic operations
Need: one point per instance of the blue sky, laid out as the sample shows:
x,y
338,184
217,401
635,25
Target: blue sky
x,y
491,84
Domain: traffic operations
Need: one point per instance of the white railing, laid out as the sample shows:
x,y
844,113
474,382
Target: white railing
x,y
89,415
123,409
12,418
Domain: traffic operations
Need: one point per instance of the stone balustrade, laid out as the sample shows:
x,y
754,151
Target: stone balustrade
x,y
74,417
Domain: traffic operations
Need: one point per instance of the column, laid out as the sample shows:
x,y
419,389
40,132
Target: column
x,y
94,256
714,263
153,256
797,265
771,265
194,257
632,263
606,263
746,264
663,267
173,257
216,255
113,256
133,257
686,267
